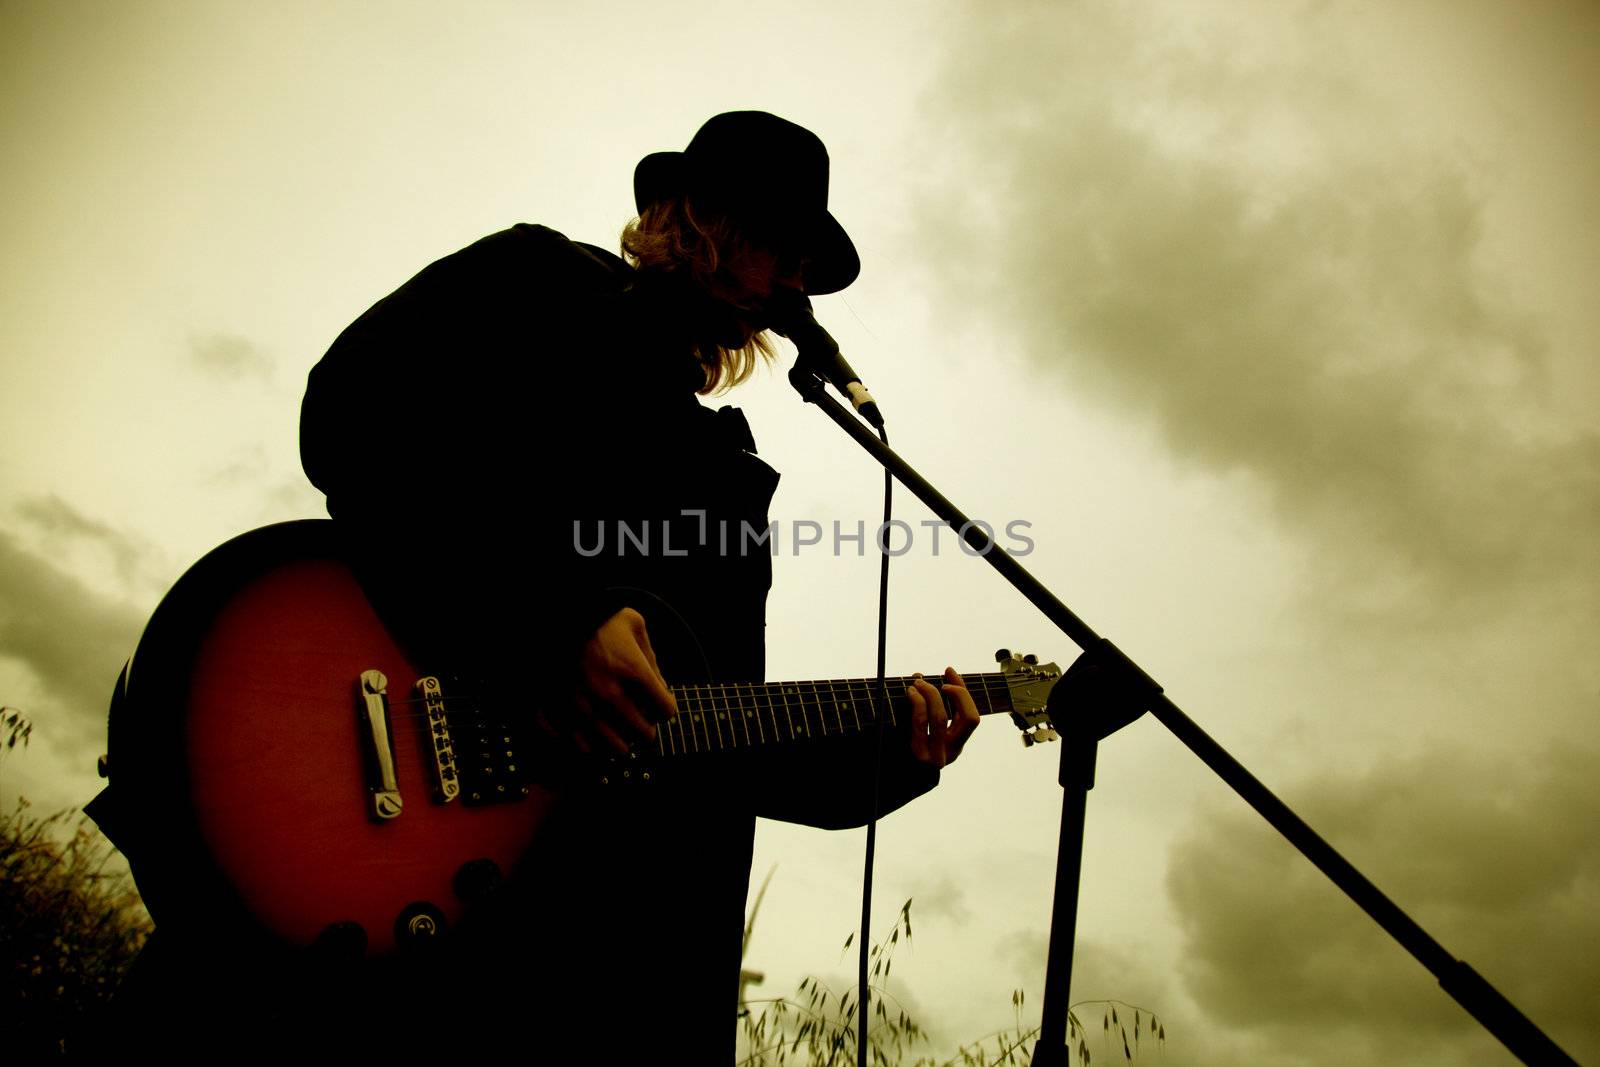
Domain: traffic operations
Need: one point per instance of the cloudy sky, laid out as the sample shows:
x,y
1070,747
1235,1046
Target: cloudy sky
x,y
1273,319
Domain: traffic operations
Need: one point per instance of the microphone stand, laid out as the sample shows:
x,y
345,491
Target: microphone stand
x,y
1104,691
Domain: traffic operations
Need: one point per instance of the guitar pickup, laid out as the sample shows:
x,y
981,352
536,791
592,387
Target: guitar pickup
x,y
382,784
446,779
485,739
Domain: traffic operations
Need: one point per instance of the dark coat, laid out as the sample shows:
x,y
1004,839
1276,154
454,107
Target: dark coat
x,y
460,428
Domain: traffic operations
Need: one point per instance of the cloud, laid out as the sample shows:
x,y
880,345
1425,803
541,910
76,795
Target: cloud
x,y
1494,858
1239,227
64,529
1230,228
248,474
71,639
941,898
295,497
230,356
247,466
65,632
1128,977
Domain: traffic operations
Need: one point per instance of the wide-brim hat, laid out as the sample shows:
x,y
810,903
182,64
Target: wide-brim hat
x,y
770,177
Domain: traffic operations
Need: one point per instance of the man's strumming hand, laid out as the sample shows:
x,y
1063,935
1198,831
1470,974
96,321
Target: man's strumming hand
x,y
619,694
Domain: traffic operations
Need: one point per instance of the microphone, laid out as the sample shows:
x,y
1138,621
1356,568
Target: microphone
x,y
789,311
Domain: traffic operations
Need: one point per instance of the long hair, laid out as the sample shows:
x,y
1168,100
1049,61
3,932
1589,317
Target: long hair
x,y
707,250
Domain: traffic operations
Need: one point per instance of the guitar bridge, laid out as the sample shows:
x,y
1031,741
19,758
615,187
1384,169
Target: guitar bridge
x,y
446,780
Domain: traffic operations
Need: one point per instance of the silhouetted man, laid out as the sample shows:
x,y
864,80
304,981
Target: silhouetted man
x,y
484,436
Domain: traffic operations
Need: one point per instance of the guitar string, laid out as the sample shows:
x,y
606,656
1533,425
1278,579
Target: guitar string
x,y
710,699
822,692
691,731
684,734
989,681
689,735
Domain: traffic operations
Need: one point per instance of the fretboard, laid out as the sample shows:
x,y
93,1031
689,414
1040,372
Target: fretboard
x,y
720,718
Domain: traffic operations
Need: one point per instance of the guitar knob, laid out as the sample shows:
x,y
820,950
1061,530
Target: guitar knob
x,y
477,879
1002,655
418,926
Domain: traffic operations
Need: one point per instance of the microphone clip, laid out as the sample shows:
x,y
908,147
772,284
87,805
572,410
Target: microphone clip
x,y
789,313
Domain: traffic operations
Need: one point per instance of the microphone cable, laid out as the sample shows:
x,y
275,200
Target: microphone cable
x,y
792,318
863,991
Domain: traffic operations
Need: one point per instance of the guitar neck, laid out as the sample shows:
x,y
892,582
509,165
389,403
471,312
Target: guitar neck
x,y
721,718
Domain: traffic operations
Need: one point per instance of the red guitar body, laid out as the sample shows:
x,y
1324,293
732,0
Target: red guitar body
x,y
283,771
236,738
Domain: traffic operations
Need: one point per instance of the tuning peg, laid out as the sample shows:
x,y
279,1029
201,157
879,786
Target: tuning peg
x,y
1002,655
1038,736
1030,658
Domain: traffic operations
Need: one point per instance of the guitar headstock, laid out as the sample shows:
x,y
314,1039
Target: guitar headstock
x,y
1030,682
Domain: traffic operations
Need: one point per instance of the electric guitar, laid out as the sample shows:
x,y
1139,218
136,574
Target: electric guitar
x,y
277,762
